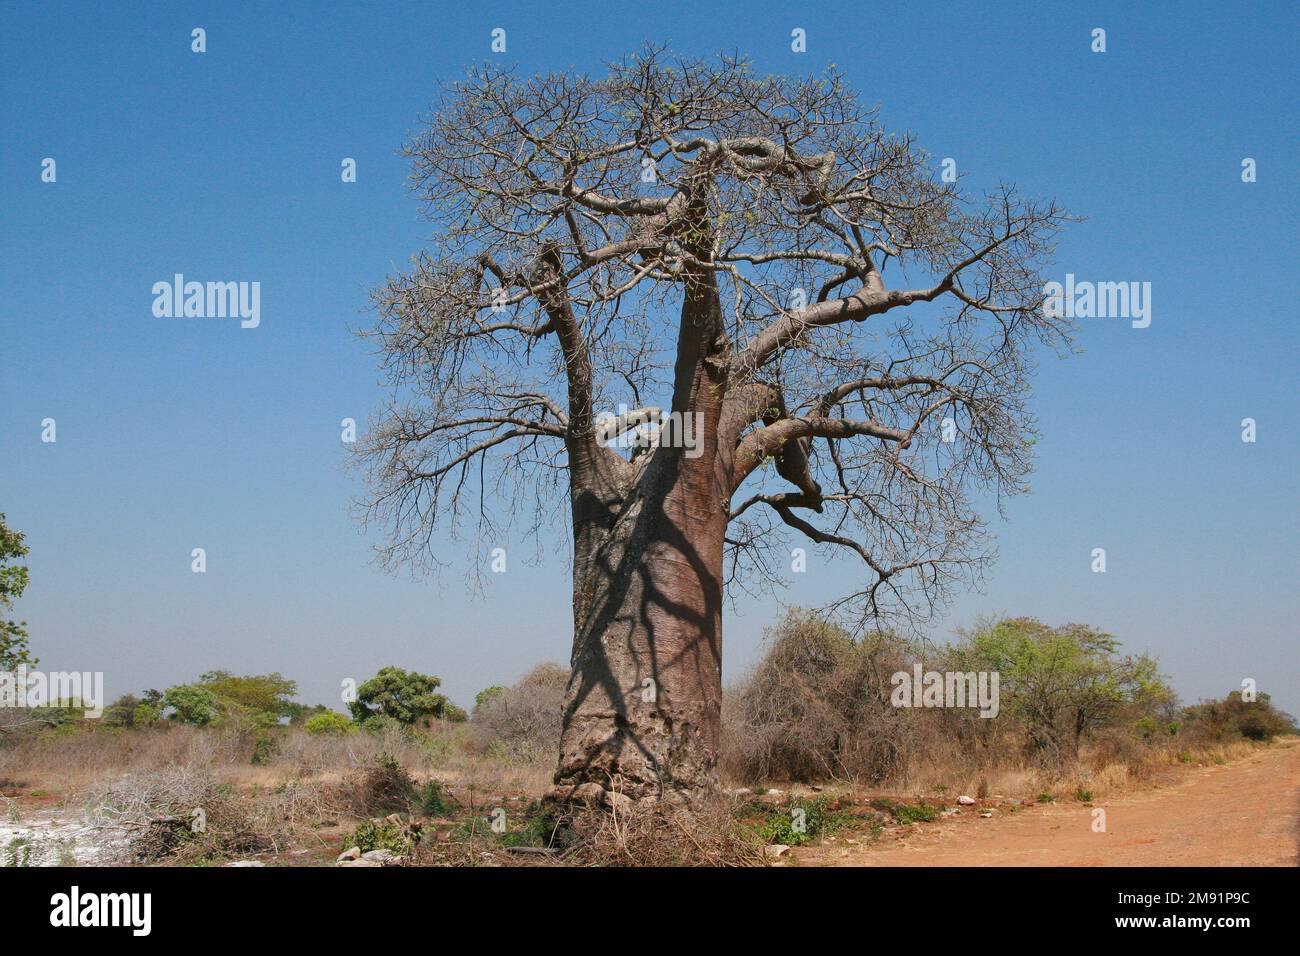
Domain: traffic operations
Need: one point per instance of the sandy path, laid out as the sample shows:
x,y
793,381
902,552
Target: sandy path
x,y
1242,814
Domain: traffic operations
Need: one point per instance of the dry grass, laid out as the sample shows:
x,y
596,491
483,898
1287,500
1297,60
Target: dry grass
x,y
630,835
148,782
71,763
315,789
181,815
660,835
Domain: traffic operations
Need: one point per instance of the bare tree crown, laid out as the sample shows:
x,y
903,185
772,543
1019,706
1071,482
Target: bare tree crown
x,y
599,241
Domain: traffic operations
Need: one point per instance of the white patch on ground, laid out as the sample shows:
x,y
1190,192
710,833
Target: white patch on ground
x,y
56,840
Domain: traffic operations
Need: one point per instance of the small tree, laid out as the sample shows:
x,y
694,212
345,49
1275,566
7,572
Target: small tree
x,y
404,696
1061,682
150,709
192,704
487,694
269,695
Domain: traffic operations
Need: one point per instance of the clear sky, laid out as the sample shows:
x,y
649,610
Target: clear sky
x,y
176,434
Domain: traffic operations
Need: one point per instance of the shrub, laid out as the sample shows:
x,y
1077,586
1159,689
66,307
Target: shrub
x,y
183,815
802,821
330,723
381,786
433,801
536,830
1218,721
817,707
381,835
379,725
916,812
264,747
526,716
121,713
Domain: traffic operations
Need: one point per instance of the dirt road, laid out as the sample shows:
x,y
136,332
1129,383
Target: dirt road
x,y
1245,813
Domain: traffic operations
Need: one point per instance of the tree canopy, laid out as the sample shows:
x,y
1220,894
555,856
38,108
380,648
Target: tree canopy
x,y
1062,681
569,211
403,696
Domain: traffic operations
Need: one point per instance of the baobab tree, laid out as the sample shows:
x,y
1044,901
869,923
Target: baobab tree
x,y
715,311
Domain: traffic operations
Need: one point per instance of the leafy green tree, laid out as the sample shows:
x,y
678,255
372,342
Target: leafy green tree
x,y
193,705
265,695
149,711
299,714
13,581
1062,682
404,696
487,694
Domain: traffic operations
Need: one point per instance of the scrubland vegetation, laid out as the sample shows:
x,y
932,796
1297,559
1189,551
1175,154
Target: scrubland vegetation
x,y
231,767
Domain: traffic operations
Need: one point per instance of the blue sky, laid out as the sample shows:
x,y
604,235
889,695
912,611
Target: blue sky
x,y
174,435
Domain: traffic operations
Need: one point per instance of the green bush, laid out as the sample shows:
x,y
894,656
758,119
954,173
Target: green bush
x,y
1234,718
380,835
486,694
331,723
818,821
536,830
264,747
432,800
378,725
192,704
916,813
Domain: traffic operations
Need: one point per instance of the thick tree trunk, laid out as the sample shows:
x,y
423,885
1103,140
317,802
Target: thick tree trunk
x,y
643,707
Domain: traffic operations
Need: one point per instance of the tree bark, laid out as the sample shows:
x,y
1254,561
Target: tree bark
x,y
643,708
